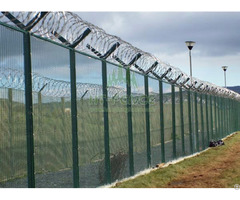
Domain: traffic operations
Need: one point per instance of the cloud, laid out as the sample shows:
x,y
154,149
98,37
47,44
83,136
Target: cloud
x,y
216,33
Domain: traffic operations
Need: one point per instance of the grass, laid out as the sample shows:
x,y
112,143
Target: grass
x,y
53,137
217,167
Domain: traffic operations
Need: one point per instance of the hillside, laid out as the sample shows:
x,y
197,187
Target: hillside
x,y
235,88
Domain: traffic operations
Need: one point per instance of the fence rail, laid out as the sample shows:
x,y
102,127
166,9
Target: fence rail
x,y
69,119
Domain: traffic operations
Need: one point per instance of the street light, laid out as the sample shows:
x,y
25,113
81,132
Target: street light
x,y
190,45
225,69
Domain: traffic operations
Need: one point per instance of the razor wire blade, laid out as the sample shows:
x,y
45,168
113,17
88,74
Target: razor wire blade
x,y
69,29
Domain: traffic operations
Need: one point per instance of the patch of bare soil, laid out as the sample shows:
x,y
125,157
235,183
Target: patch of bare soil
x,y
212,174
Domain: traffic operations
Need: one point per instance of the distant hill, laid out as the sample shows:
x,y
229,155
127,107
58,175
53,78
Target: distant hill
x,y
235,88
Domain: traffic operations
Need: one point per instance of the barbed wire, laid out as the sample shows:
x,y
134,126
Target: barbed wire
x,y
68,28
14,78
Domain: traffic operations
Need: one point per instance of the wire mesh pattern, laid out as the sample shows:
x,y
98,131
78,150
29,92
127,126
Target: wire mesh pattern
x,y
68,28
102,122
14,78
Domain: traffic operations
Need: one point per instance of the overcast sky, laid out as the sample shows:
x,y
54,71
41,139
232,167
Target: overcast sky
x,y
164,34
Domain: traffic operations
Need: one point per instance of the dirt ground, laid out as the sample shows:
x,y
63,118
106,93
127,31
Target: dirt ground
x,y
220,171
217,167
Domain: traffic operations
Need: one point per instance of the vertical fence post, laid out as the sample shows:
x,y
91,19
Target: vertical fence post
x,y
230,116
227,115
29,108
190,122
235,115
211,118
202,121
230,119
147,121
74,119
129,117
182,121
224,117
162,121
196,120
221,116
173,122
207,119
215,116
106,123
219,120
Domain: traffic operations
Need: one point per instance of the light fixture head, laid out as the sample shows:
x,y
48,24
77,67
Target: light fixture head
x,y
190,44
224,68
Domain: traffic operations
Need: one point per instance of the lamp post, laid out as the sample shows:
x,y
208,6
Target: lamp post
x,y
225,69
190,45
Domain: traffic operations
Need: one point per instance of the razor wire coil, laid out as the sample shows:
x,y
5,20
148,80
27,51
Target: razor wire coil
x,y
71,27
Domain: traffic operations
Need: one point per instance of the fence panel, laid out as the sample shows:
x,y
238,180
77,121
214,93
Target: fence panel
x,y
155,129
178,124
90,122
51,114
109,138
13,151
186,122
118,124
167,107
138,122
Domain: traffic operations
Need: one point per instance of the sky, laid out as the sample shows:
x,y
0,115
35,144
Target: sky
x,y
163,30
163,34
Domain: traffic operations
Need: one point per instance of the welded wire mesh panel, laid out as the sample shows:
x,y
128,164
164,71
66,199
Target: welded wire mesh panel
x,y
118,124
13,155
178,123
138,122
202,125
154,109
90,122
193,117
215,118
186,122
206,125
51,115
199,140
167,108
209,119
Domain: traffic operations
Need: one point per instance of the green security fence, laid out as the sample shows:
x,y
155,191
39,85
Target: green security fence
x,y
120,124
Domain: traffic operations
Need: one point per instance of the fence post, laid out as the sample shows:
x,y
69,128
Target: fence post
x,y
224,117
211,117
190,122
219,120
129,117
221,114
74,119
215,116
227,119
202,121
147,120
182,121
196,120
162,121
173,122
106,123
29,108
207,119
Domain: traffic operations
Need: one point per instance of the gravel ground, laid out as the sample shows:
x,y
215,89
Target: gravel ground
x,y
89,174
